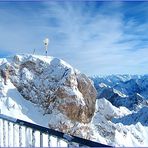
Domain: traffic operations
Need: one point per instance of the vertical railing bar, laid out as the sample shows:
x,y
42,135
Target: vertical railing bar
x,y
13,135
20,136
4,134
41,139
26,143
9,134
33,138
49,144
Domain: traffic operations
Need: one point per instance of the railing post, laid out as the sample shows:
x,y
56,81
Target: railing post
x,y
9,134
4,134
20,136
41,139
33,138
26,142
49,141
13,135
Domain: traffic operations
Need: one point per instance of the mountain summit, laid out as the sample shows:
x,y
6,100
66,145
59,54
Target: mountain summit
x,y
54,85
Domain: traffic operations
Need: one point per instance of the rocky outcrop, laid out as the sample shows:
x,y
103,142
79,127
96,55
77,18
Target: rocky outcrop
x,y
55,85
88,91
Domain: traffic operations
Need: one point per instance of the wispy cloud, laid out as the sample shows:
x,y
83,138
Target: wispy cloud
x,y
95,37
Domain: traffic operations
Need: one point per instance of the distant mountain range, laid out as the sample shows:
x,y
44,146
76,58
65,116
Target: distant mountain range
x,y
130,91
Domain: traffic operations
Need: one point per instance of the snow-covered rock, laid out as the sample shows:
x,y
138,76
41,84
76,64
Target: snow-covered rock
x,y
109,111
54,85
119,126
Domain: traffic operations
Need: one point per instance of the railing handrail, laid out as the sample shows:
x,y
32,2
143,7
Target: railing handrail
x,y
52,132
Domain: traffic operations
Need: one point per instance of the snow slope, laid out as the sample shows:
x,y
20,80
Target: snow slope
x,y
119,126
14,105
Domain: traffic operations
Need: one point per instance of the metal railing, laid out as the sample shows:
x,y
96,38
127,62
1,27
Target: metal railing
x,y
19,133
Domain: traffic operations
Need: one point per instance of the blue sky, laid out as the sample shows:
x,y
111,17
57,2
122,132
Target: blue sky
x,y
95,37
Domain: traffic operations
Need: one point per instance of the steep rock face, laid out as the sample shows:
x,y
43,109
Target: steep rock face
x,y
85,87
55,85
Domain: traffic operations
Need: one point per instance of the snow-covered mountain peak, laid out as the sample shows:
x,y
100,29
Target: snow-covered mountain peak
x,y
46,59
54,85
